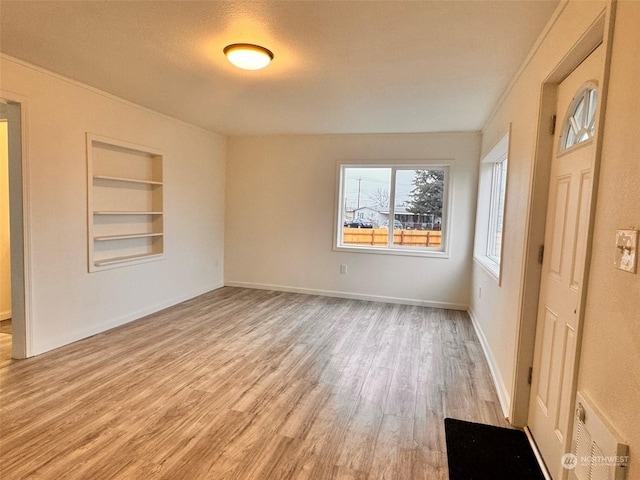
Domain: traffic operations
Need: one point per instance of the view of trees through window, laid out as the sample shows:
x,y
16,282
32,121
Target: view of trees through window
x,y
412,197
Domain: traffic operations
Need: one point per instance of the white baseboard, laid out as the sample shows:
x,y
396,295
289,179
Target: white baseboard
x,y
130,317
353,296
501,389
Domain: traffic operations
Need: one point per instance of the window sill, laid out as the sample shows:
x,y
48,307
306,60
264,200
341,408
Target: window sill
x,y
489,266
432,253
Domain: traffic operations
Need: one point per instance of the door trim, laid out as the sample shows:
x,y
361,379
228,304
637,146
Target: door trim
x,y
22,335
599,32
536,453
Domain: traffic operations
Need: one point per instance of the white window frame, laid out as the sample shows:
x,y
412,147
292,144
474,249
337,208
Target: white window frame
x,y
390,249
487,214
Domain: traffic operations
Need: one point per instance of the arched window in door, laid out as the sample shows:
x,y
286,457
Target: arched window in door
x,y
580,123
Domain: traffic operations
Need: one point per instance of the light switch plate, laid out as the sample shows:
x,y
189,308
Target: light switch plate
x,y
626,258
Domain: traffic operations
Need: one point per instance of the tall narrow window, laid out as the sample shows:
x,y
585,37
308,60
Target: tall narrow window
x,y
490,215
496,212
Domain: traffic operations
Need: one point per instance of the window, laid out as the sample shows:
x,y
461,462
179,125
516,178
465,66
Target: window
x,y
393,208
491,207
580,124
496,212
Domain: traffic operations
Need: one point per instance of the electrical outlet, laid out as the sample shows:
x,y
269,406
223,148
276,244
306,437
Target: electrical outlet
x,y
343,269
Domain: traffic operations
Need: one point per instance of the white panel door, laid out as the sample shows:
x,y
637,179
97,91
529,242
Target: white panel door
x,y
562,271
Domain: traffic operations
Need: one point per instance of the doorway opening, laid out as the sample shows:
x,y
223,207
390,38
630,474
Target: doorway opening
x,y
13,275
5,250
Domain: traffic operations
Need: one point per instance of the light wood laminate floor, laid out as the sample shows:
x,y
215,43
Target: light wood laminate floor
x,y
245,384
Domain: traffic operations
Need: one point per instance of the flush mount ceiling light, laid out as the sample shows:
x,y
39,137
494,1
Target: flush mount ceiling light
x,y
248,56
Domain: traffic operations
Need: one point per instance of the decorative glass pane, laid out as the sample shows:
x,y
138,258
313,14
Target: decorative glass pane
x,y
580,125
578,112
593,102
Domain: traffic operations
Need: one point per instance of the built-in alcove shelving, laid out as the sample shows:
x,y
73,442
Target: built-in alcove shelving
x,y
125,186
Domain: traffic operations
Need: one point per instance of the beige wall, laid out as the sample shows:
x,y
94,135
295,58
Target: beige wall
x,y
5,244
67,302
610,359
281,206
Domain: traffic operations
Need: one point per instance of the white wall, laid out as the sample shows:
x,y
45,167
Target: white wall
x,y
281,204
67,302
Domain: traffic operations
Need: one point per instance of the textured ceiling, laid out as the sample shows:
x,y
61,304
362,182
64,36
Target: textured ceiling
x,y
340,67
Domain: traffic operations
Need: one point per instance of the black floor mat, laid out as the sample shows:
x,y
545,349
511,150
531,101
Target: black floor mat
x,y
478,452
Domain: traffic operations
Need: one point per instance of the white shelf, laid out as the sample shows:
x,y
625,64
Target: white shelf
x,y
125,200
104,238
126,259
123,179
126,213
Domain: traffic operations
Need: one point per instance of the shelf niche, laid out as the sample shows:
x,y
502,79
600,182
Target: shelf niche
x,y
125,204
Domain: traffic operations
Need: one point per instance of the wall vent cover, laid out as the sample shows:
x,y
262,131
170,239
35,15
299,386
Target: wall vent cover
x,y
599,453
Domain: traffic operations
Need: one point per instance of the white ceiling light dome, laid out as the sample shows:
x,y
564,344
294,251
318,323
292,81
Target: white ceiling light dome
x,y
248,56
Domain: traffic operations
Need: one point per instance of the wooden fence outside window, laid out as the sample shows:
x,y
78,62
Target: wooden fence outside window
x,y
379,237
